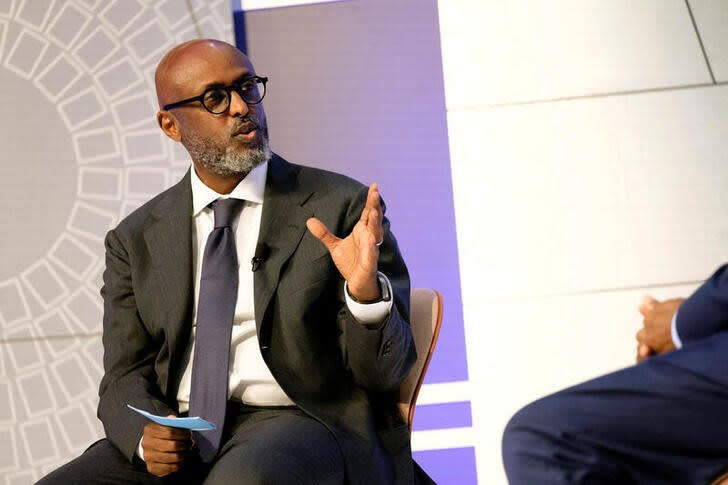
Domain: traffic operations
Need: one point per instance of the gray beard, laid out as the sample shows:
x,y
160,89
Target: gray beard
x,y
226,161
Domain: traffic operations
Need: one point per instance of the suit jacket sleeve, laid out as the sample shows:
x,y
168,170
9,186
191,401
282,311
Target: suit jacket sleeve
x,y
129,355
379,357
706,311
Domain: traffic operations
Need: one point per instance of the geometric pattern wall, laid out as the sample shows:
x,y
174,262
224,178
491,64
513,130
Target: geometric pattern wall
x,y
81,149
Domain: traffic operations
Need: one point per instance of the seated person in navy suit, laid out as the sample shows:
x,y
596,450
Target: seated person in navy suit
x,y
663,420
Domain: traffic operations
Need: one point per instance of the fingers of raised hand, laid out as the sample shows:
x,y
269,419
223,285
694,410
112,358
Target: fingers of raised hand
x,y
374,228
372,201
372,215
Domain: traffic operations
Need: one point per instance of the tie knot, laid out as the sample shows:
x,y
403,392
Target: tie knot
x,y
225,210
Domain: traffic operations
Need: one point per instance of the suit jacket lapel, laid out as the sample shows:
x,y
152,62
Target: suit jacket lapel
x,y
282,225
169,241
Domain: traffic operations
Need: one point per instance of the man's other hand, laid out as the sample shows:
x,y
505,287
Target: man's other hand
x,y
655,336
356,255
165,448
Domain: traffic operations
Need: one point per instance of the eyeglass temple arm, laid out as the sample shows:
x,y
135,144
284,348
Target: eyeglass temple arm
x,y
184,101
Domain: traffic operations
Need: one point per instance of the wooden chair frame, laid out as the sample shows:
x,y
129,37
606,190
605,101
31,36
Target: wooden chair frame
x,y
410,388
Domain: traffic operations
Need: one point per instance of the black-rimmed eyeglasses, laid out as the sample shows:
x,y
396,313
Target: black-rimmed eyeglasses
x,y
217,100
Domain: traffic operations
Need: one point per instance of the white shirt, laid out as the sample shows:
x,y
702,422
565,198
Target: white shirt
x,y
250,380
673,332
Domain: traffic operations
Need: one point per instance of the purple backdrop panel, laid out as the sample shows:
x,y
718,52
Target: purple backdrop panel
x,y
239,28
357,87
439,416
452,466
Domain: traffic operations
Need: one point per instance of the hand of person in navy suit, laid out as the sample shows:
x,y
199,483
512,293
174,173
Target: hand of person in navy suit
x,y
356,255
655,336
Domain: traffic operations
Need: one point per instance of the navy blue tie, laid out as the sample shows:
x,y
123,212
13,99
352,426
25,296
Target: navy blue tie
x,y
215,312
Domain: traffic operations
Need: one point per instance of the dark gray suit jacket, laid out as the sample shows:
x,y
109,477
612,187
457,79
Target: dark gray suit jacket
x,y
334,368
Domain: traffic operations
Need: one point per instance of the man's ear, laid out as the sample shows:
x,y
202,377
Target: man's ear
x,y
168,123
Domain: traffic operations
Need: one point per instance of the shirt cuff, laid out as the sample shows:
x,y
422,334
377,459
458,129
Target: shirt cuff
x,y
673,332
140,450
370,313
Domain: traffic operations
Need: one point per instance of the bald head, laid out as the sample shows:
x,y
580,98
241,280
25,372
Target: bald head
x,y
182,69
224,146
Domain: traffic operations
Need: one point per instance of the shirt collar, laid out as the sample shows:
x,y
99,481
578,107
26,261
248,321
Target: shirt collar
x,y
251,189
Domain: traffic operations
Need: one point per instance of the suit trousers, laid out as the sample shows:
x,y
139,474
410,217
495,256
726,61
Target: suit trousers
x,y
662,421
260,446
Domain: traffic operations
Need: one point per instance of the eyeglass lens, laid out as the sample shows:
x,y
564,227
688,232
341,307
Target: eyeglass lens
x,y
218,100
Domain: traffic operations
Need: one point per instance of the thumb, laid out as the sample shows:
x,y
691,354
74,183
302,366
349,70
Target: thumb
x,y
648,303
321,232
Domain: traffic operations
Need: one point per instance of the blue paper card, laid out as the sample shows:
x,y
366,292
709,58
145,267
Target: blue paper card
x,y
191,423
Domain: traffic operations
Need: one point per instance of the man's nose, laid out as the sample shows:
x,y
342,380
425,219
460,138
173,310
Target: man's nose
x,y
237,105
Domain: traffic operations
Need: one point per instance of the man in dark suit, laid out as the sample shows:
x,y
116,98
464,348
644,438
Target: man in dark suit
x,y
662,421
320,335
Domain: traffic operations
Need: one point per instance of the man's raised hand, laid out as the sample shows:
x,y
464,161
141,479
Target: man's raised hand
x,y
356,255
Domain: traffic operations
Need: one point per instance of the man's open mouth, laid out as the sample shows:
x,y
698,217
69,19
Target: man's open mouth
x,y
245,129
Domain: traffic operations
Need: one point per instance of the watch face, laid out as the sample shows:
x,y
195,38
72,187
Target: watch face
x,y
383,288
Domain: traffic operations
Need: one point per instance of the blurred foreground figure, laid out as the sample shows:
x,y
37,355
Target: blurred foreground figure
x,y
229,297
662,421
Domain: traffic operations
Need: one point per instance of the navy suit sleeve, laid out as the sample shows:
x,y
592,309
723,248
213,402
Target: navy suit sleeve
x,y
705,313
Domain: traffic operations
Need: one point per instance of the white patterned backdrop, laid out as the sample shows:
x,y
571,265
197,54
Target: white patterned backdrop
x,y
80,150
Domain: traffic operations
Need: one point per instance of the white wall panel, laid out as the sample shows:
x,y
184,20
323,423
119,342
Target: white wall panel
x,y
711,17
590,194
581,177
498,52
524,349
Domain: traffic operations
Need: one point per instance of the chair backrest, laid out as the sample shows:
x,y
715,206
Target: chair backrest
x,y
425,321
